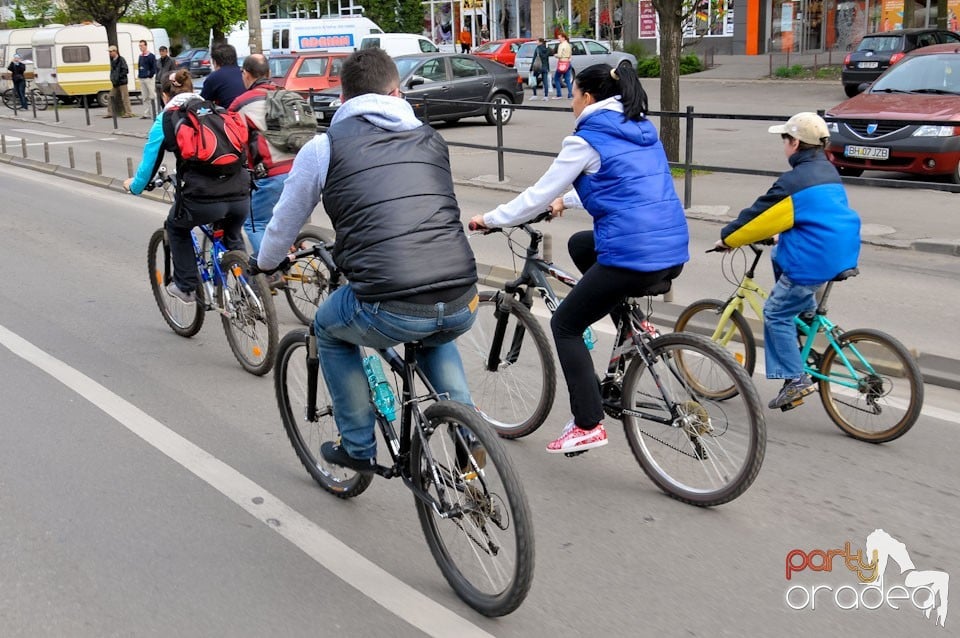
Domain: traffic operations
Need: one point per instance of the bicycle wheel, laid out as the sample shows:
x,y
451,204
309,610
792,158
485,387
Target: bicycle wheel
x,y
482,542
185,319
307,283
702,317
697,449
8,100
887,400
249,317
517,396
290,383
38,98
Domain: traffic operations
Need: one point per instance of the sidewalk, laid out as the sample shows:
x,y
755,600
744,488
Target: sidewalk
x,y
762,67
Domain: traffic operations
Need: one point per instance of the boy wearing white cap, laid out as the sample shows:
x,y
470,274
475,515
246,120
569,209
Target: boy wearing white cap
x,y
17,73
819,238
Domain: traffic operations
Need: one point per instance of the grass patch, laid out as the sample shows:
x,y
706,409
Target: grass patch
x,y
800,72
678,173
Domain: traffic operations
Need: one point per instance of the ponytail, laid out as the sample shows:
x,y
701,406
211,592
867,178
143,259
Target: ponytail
x,y
603,81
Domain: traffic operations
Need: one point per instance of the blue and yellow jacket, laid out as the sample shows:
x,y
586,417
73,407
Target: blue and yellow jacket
x,y
807,206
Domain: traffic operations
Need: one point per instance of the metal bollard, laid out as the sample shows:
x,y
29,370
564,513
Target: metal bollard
x,y
3,144
56,109
86,108
99,164
71,158
129,167
23,146
46,152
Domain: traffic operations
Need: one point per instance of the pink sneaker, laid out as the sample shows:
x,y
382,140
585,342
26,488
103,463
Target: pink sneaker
x,y
574,439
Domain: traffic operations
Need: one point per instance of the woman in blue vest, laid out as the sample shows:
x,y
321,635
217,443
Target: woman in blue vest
x,y
619,172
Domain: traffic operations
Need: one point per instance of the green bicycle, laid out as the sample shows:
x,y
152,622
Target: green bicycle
x,y
870,385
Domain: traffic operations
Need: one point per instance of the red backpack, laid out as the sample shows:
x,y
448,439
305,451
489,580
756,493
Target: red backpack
x,y
210,138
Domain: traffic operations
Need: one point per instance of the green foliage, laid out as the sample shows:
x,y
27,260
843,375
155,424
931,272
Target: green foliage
x,y
648,66
395,16
789,71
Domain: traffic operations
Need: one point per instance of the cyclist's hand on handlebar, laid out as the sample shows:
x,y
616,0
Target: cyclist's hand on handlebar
x,y
557,208
476,223
283,266
719,247
126,184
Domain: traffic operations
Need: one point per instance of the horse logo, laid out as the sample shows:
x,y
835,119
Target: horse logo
x,y
883,548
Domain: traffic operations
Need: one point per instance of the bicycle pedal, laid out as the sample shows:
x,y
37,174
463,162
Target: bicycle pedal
x,y
792,405
570,455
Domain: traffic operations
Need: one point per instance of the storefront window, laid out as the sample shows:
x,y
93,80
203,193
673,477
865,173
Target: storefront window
x,y
710,18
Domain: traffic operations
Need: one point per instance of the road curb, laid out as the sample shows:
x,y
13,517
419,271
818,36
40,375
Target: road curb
x,y
937,370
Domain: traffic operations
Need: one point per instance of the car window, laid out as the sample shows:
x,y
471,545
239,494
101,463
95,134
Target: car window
x,y
926,39
335,67
427,46
595,48
433,70
578,48
920,72
514,47
948,37
487,48
526,50
880,44
553,47
466,68
280,66
370,43
313,68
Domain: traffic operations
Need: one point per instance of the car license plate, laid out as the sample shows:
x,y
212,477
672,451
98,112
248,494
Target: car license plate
x,y
867,152
867,65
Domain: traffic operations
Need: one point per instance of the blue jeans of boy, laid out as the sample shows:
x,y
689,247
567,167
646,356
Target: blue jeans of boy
x,y
262,201
343,323
779,331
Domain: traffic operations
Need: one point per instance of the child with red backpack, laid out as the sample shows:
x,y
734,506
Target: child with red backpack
x,y
212,180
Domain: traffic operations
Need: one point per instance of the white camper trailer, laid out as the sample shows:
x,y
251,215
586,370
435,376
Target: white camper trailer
x,y
73,61
19,41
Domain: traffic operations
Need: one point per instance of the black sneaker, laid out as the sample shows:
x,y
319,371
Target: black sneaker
x,y
793,390
334,453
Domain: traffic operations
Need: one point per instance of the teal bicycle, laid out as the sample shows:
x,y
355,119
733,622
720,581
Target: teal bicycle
x,y
869,384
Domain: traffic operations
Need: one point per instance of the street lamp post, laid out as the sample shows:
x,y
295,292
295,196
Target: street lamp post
x,y
253,25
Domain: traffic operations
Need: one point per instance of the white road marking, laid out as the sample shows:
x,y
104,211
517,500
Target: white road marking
x,y
351,567
33,131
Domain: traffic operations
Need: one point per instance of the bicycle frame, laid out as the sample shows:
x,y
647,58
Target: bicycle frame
x,y
748,292
412,422
211,273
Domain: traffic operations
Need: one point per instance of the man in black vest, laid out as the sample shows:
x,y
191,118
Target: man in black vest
x,y
384,178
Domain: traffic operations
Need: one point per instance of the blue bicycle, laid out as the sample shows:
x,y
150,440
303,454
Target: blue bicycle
x,y
242,301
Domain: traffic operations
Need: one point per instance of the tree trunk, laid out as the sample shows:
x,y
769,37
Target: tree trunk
x,y
111,27
942,14
671,41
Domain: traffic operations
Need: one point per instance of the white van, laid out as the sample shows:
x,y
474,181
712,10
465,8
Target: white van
x,y
328,34
73,61
399,43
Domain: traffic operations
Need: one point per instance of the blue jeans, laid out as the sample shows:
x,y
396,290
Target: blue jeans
x,y
343,323
543,75
779,331
262,202
567,77
20,88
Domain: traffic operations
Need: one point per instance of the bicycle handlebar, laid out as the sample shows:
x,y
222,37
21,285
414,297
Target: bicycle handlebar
x,y
545,215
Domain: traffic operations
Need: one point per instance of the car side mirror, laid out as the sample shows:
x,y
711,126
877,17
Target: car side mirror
x,y
416,80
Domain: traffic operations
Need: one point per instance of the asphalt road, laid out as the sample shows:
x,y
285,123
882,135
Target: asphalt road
x,y
132,461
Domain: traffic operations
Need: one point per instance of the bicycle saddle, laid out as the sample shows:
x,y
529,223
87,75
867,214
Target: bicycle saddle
x,y
847,274
659,288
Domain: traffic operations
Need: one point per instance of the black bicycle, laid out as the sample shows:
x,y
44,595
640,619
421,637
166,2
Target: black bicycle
x,y
469,498
695,448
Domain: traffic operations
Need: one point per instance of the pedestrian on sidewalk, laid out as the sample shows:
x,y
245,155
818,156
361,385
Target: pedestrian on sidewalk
x,y
540,69
564,69
18,72
165,66
146,72
819,237
621,176
119,76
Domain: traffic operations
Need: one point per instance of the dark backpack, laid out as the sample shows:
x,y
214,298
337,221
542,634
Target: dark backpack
x,y
291,122
209,138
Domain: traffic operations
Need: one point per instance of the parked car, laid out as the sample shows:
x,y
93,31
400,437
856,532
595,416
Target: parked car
x,y
470,80
586,52
182,59
201,64
302,72
923,87
877,52
502,51
399,43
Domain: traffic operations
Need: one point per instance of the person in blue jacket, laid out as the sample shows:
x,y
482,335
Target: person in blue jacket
x,y
819,238
620,175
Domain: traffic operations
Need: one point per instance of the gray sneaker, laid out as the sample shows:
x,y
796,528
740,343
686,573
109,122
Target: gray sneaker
x,y
186,297
793,390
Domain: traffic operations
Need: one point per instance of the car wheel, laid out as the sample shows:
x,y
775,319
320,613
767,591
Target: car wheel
x,y
103,98
846,171
499,107
851,89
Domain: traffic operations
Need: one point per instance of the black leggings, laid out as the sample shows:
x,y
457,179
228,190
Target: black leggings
x,y
191,214
599,292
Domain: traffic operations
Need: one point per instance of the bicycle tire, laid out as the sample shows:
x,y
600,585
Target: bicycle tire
x,y
701,317
306,437
307,283
877,392
8,100
184,319
495,523
38,98
716,453
249,317
513,404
